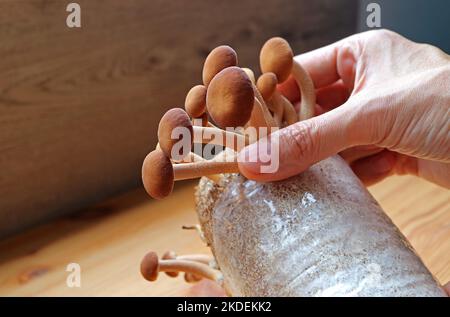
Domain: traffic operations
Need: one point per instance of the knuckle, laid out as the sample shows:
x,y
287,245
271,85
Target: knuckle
x,y
380,35
300,140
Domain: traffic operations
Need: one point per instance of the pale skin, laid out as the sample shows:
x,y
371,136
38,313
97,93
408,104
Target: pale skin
x,y
383,105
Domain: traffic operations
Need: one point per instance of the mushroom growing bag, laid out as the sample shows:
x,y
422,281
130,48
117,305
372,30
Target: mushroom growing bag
x,y
320,233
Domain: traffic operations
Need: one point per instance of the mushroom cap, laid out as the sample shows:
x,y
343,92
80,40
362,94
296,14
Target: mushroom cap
x,y
170,255
195,103
174,118
150,266
230,98
276,56
157,174
219,58
267,84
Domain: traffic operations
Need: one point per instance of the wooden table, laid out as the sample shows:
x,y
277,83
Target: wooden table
x,y
109,240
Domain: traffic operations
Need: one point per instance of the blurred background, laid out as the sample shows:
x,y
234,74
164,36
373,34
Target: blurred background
x,y
79,107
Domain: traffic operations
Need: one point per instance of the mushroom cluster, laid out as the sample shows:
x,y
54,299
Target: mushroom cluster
x,y
234,101
230,97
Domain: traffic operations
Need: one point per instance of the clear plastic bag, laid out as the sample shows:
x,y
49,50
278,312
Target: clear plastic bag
x,y
317,234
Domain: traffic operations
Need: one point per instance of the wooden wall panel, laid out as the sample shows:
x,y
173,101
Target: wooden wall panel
x,y
79,107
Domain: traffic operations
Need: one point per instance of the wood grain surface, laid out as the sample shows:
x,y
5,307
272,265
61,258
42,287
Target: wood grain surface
x,y
79,107
109,240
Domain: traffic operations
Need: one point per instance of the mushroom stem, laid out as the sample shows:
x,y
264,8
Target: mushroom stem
x,y
306,86
276,105
203,168
269,120
201,121
170,255
190,158
151,266
196,268
200,258
290,116
221,137
260,118
196,228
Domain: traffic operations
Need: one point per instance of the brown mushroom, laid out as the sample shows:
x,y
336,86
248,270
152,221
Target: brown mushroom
x,y
178,118
230,98
218,59
267,85
281,107
276,56
195,103
151,266
159,174
174,118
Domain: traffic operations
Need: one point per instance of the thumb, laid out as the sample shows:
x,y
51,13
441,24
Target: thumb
x,y
300,145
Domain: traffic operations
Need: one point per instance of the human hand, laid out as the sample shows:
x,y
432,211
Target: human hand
x,y
383,104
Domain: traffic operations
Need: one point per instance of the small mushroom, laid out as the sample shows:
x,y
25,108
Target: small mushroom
x,y
195,103
230,98
276,56
151,266
159,174
290,116
281,107
267,85
218,59
174,118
